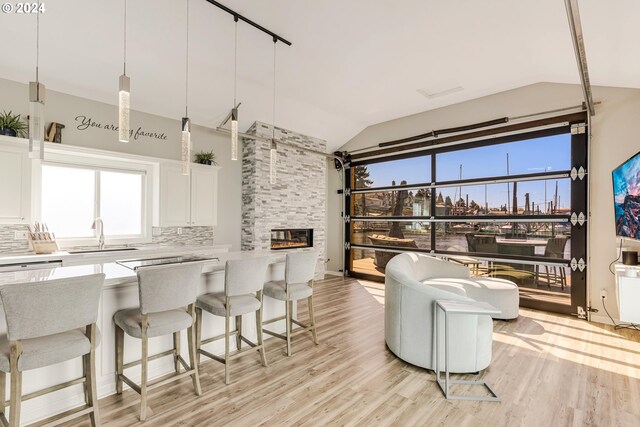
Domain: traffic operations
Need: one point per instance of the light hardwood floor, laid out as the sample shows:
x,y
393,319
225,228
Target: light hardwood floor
x,y
550,370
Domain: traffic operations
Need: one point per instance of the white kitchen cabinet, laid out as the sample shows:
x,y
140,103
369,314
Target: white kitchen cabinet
x,y
204,195
15,182
175,202
188,200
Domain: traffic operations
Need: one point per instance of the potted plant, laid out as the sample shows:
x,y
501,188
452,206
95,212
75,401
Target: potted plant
x,y
12,125
206,158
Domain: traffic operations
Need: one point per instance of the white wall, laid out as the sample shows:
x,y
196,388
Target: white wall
x,y
614,139
63,108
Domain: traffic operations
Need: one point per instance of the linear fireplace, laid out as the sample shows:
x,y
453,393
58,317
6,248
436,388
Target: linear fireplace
x,y
290,238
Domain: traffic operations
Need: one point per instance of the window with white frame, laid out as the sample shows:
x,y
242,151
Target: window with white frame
x,y
74,195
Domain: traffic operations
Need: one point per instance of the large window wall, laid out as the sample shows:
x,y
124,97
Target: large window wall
x,y
502,206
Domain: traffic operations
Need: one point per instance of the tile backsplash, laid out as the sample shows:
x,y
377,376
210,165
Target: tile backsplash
x,y
8,245
191,236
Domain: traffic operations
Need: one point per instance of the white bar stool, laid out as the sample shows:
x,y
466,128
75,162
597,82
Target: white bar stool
x,y
297,284
164,293
243,281
47,323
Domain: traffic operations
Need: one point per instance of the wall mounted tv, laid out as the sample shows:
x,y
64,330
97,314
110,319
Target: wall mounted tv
x,y
626,197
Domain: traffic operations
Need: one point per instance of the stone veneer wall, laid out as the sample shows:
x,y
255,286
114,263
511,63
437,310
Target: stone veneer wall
x,y
297,200
191,236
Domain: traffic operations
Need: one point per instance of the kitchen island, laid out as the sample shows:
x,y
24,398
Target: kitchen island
x,y
120,291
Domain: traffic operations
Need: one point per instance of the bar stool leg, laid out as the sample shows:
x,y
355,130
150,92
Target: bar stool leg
x,y
16,384
119,358
144,366
288,323
198,334
312,320
85,374
90,379
176,351
191,342
3,393
239,334
263,355
226,342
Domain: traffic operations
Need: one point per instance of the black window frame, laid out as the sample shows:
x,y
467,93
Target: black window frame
x,y
579,196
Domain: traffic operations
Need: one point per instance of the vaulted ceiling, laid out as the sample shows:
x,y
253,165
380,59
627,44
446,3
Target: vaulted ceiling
x,y
353,63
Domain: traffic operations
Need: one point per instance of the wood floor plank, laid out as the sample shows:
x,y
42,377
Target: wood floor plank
x,y
548,369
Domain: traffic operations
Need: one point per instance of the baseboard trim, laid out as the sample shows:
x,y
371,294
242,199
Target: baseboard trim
x,y
333,273
602,319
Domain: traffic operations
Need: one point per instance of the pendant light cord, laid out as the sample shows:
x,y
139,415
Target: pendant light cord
x,y
273,130
186,85
124,50
235,65
38,43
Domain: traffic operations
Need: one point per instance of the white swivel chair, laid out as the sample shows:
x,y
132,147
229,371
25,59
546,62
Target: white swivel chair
x,y
297,284
409,315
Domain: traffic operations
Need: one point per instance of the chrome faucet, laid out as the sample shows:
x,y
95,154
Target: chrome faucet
x,y
98,223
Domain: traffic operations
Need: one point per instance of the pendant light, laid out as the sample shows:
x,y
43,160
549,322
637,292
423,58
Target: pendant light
x,y
186,122
234,110
124,129
273,158
36,105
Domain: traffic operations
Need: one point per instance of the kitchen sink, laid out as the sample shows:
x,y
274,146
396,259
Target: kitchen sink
x,y
97,251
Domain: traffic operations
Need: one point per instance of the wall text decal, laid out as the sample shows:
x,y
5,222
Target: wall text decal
x,y
85,123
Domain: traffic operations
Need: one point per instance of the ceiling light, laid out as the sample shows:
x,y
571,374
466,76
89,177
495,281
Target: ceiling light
x,y
36,105
234,134
186,145
273,158
123,94
234,111
186,123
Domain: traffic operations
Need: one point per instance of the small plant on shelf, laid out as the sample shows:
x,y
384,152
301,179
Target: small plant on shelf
x,y
206,158
12,125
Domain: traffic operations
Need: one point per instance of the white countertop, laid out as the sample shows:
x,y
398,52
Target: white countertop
x,y
119,275
140,252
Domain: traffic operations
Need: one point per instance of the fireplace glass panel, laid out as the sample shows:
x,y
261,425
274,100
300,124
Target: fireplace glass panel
x,y
291,238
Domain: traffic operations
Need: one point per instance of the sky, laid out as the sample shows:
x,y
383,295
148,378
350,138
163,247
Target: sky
x,y
552,153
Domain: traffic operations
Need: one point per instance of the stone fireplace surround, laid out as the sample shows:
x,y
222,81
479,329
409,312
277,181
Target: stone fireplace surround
x,y
296,200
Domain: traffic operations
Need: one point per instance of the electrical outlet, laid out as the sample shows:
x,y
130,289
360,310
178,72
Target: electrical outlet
x,y
156,231
179,230
603,293
20,235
